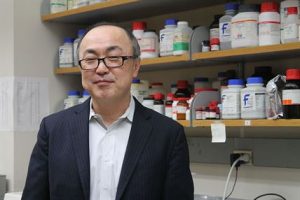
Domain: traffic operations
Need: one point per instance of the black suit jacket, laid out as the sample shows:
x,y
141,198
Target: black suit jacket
x,y
155,166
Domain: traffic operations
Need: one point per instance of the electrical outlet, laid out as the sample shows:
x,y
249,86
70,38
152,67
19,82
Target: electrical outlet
x,y
248,152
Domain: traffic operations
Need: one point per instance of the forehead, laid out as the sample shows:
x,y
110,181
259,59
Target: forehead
x,y
105,36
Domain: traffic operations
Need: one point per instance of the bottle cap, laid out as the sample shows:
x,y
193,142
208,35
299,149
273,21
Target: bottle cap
x,y
235,82
68,40
170,96
253,80
73,93
138,25
182,84
159,96
85,93
170,22
292,10
293,74
182,99
136,80
231,6
81,32
269,7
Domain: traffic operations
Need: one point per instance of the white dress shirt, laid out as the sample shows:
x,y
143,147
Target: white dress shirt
x,y
107,149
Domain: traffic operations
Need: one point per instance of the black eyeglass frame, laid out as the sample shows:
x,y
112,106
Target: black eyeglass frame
x,y
103,60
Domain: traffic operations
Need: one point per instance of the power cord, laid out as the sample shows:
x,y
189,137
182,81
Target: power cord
x,y
236,175
269,194
241,159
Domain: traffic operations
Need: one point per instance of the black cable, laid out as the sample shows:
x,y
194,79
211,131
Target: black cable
x,y
236,175
269,194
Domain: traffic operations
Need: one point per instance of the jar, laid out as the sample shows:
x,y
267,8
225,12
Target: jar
x,y
158,104
148,102
157,87
72,99
149,44
168,105
182,89
181,108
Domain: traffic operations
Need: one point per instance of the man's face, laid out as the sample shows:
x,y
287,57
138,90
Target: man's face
x,y
108,84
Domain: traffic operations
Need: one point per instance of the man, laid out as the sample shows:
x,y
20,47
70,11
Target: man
x,y
110,147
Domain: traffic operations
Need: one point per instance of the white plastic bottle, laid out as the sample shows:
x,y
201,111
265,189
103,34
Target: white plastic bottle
x,y
231,99
138,28
95,1
72,99
291,26
66,53
244,27
283,12
253,99
80,3
75,45
225,25
149,45
70,4
135,89
166,37
269,24
182,36
85,96
58,6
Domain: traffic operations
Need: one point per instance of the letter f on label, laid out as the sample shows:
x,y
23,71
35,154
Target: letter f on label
x,y
224,27
246,98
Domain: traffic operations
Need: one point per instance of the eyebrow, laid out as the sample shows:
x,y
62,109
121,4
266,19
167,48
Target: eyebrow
x,y
108,50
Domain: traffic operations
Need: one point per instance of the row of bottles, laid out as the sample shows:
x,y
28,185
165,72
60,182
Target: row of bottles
x,y
63,5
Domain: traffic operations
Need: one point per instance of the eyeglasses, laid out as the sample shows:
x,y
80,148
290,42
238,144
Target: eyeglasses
x,y
109,62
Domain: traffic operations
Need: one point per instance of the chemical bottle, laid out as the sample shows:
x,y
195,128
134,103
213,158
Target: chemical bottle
x,y
138,28
244,26
182,89
231,99
284,5
135,89
158,104
72,99
291,95
81,3
214,33
149,44
291,26
157,87
173,88
269,24
148,102
95,1
201,83
144,88
181,108
70,4
66,53
225,25
182,37
253,99
168,105
85,96
58,6
75,45
166,38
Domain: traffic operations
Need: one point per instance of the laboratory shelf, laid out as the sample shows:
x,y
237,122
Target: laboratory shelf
x,y
67,70
250,54
249,123
184,123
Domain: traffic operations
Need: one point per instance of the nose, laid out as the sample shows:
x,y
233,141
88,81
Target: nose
x,y
102,69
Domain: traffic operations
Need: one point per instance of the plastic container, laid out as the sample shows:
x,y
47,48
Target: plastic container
x,y
148,102
181,108
138,28
158,104
231,99
291,95
269,24
81,3
253,99
66,53
214,33
149,44
166,38
291,26
144,88
75,45
182,90
244,27
72,99
225,25
58,6
135,89
182,37
85,96
283,13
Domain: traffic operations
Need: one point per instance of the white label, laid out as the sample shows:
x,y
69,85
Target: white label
x,y
66,55
218,132
253,101
291,97
159,108
231,103
214,33
166,43
242,30
225,32
290,31
269,30
168,111
181,109
148,45
198,114
58,6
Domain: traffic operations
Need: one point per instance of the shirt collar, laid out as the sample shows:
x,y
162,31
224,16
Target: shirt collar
x,y
127,114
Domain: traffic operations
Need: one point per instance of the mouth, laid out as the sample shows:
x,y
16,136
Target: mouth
x,y
103,82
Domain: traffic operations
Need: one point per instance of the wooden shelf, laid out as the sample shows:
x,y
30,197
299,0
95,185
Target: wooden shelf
x,y
250,123
251,53
67,70
123,10
185,123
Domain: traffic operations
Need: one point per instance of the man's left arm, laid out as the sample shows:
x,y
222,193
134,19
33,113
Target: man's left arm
x,y
179,182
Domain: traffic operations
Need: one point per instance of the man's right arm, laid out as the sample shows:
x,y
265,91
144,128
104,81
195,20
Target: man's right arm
x,y
37,182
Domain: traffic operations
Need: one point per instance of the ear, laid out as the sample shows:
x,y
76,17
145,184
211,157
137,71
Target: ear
x,y
136,67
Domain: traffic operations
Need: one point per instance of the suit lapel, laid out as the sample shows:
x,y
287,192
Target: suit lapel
x,y
80,139
139,134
